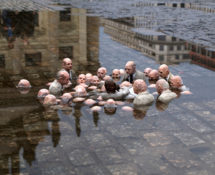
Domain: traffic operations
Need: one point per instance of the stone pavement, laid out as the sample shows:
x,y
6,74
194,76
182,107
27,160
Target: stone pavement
x,y
178,140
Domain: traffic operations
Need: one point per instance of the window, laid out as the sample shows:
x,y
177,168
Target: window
x,y
162,38
182,5
186,56
203,51
171,47
33,59
177,57
161,47
193,48
213,55
2,61
174,5
36,19
178,47
65,15
173,38
66,52
161,58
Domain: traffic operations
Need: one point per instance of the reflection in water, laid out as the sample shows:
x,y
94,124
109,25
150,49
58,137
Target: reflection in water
x,y
95,118
157,45
139,112
161,106
53,36
18,24
38,42
133,32
25,132
77,114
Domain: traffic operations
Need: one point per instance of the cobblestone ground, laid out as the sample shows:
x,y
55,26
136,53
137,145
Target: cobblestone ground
x,y
178,140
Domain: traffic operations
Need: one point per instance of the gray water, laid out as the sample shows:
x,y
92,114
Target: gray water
x,y
177,138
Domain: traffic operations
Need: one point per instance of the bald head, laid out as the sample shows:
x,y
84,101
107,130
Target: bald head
x,y
153,75
162,85
65,98
95,80
176,82
116,73
130,67
81,79
147,71
163,71
67,64
63,77
80,91
50,100
125,84
23,83
101,72
139,86
88,78
42,93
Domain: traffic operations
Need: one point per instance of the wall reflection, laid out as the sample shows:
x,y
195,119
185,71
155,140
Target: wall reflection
x,y
23,135
157,45
34,43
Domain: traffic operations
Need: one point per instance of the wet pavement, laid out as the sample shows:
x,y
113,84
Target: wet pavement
x,y
177,138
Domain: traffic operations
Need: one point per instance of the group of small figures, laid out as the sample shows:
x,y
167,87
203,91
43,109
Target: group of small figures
x,y
123,85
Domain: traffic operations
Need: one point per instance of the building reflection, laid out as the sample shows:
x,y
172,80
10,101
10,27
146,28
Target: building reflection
x,y
23,135
34,43
156,45
202,56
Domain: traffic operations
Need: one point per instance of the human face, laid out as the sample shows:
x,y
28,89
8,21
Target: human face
x,y
163,72
81,79
129,69
95,80
116,74
67,65
64,80
101,74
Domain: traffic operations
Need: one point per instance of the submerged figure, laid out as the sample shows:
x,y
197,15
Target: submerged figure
x,y
57,86
132,73
177,86
112,91
143,96
24,86
147,71
101,72
50,100
165,73
67,66
110,107
165,95
42,94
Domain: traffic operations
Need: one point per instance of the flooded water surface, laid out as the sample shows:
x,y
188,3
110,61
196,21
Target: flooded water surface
x,y
175,138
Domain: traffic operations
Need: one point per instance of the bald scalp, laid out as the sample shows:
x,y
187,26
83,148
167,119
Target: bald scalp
x,y
162,85
163,70
65,60
130,63
154,75
130,67
62,74
139,86
176,81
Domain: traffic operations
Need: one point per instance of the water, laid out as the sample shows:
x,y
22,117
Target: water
x,y
164,139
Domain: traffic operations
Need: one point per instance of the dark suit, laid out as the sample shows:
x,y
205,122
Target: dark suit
x,y
138,75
